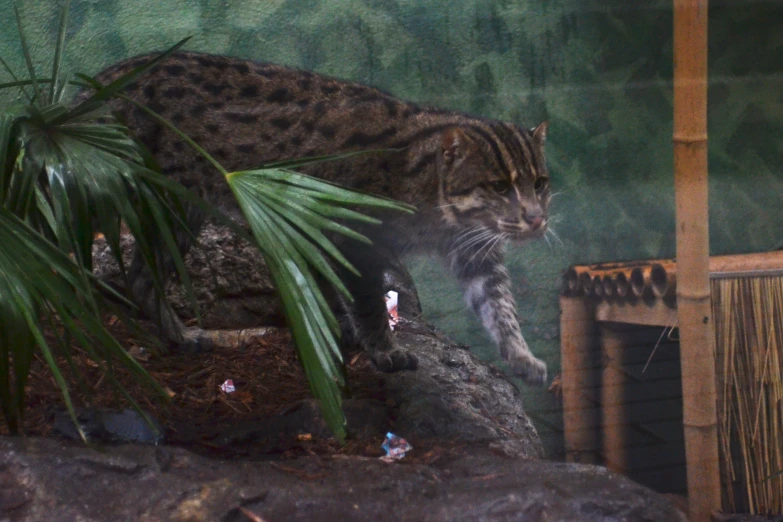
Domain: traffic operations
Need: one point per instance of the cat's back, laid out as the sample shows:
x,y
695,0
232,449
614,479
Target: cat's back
x,y
248,113
235,81
218,94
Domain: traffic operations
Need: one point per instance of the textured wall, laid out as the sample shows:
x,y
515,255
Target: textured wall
x,y
600,72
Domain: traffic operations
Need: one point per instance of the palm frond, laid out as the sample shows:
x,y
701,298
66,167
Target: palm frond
x,y
56,88
27,57
37,277
6,157
64,177
288,213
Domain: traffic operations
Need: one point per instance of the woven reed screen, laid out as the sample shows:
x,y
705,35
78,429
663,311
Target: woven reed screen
x,y
748,314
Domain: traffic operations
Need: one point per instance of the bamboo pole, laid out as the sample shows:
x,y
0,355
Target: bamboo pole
x,y
598,287
609,284
621,283
580,405
697,343
760,264
614,421
586,283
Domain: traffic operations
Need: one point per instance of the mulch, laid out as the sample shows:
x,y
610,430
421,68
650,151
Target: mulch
x,y
266,373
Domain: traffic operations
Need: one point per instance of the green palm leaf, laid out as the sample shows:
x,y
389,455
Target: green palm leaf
x,y
64,177
36,275
288,215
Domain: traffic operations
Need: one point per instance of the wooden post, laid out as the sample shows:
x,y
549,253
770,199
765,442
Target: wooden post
x,y
697,342
614,415
580,405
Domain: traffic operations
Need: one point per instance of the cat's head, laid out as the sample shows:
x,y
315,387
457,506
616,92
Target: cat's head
x,y
493,175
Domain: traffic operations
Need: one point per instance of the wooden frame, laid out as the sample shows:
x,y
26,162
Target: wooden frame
x,y
591,404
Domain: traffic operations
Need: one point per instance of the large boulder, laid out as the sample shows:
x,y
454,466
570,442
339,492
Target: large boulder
x,y
44,479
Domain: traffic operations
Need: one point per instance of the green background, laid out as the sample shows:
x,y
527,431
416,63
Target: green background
x,y
599,72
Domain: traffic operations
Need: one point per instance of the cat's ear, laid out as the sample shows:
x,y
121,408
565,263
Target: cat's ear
x,y
539,133
455,145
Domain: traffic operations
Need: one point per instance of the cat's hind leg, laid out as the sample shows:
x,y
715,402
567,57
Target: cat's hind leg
x,y
364,323
153,305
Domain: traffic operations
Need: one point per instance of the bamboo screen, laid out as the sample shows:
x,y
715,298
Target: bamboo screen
x,y
748,314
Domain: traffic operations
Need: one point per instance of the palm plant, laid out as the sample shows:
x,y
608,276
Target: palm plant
x,y
67,173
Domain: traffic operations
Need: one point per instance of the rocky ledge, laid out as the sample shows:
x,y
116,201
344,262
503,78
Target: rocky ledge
x,y
44,479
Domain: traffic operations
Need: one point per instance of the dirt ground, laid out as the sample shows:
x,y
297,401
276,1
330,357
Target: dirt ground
x,y
266,373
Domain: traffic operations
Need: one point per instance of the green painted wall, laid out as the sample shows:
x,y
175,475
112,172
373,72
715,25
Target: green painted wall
x,y
599,71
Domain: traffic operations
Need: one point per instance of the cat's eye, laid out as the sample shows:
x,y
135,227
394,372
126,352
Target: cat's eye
x,y
539,184
500,187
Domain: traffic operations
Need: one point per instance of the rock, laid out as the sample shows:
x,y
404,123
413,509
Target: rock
x,y
109,426
492,472
454,396
231,282
365,419
45,479
725,517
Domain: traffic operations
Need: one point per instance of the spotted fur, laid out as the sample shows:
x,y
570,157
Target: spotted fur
x,y
477,183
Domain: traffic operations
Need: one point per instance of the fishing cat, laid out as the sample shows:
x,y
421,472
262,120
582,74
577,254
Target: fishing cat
x,y
476,183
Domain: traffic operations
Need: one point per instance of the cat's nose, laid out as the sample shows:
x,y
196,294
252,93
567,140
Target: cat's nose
x,y
534,221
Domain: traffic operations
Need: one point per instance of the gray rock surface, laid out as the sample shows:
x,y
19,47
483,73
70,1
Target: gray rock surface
x,y
109,426
230,279
43,479
231,282
454,396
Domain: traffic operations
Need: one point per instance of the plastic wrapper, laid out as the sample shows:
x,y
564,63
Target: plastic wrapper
x,y
395,447
391,307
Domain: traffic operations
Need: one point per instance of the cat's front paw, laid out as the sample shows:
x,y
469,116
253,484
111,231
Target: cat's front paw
x,y
394,360
529,369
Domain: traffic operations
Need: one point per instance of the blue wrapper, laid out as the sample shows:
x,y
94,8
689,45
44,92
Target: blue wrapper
x,y
395,447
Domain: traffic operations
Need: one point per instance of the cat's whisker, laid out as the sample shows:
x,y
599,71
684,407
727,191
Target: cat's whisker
x,y
499,239
464,247
551,230
555,219
470,230
474,240
469,239
464,234
488,246
467,235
